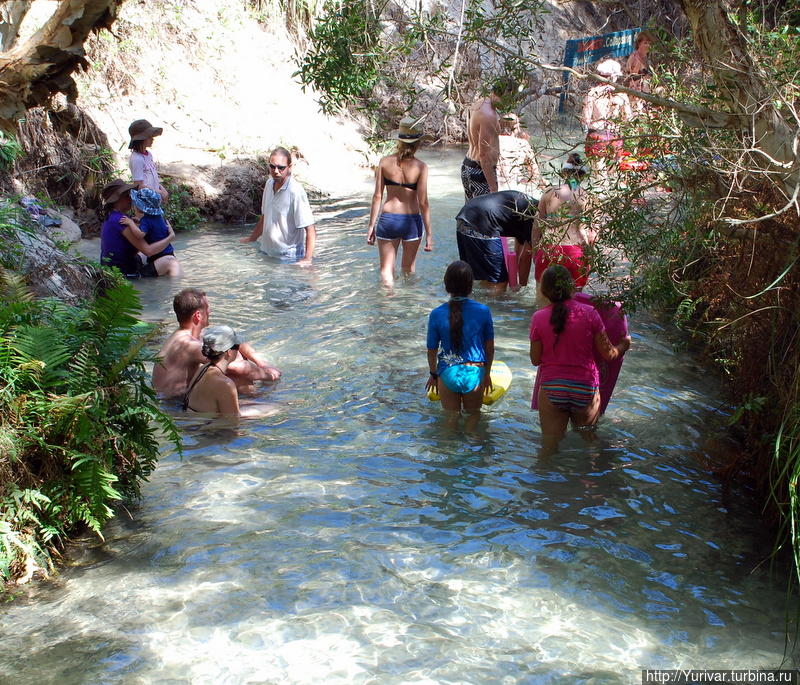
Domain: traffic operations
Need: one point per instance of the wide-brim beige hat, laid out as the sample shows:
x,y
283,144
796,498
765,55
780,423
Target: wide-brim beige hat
x,y
408,131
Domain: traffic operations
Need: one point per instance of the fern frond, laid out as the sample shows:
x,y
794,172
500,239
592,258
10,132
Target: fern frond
x,y
117,308
13,287
133,353
35,345
82,371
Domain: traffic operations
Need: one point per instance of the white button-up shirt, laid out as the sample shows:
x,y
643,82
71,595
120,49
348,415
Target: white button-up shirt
x,y
286,213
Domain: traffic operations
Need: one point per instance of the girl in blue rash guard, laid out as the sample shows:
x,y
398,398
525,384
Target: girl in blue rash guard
x,y
460,345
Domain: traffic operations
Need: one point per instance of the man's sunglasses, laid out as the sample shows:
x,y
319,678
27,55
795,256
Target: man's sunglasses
x,y
279,167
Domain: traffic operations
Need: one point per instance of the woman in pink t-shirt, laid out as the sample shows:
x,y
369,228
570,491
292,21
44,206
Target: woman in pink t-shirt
x,y
564,336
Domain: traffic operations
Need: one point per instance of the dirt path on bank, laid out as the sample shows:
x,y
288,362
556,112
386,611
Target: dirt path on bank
x,y
220,83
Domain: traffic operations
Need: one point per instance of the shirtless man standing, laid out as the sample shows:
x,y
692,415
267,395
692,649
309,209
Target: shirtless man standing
x,y
479,168
603,109
559,235
181,354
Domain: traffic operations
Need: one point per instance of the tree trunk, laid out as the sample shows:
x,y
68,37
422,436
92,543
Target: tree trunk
x,y
11,16
30,73
746,92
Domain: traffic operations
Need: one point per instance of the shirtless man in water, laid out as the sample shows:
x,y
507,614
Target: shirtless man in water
x,y
181,354
479,168
560,234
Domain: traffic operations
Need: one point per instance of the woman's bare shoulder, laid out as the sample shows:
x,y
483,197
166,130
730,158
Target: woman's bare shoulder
x,y
217,381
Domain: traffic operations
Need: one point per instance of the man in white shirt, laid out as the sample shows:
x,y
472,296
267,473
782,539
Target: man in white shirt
x,y
285,229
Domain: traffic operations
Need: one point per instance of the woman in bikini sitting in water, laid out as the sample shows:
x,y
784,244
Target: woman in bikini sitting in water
x,y
560,234
405,212
211,390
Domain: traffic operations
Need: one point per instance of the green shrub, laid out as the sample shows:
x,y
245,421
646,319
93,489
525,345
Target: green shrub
x,y
98,165
179,210
343,54
12,219
79,421
10,150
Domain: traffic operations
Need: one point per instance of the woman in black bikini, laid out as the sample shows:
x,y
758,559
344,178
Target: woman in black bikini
x,y
211,391
405,212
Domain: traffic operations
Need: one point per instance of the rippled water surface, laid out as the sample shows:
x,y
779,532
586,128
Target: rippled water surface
x,y
350,539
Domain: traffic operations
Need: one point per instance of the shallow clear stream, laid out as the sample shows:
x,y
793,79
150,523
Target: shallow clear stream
x,y
351,539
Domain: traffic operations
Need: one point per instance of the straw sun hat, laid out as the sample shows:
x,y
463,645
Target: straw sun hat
x,y
408,131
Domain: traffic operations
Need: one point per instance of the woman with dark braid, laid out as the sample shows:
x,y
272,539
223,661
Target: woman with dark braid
x,y
564,336
460,346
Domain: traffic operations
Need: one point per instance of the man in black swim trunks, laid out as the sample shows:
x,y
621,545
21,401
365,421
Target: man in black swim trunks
x,y
481,226
479,168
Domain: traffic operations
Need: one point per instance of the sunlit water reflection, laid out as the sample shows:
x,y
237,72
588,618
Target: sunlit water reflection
x,y
350,539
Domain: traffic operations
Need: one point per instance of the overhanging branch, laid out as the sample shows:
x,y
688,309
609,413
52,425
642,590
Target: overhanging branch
x,y
32,72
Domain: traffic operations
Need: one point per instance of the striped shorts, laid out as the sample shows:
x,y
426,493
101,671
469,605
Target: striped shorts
x,y
567,395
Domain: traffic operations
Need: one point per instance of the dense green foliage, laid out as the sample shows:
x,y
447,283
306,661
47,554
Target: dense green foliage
x,y
722,255
361,53
10,150
344,53
79,423
732,275
179,209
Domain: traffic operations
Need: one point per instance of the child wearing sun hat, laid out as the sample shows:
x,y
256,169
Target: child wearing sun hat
x,y
141,163
153,227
